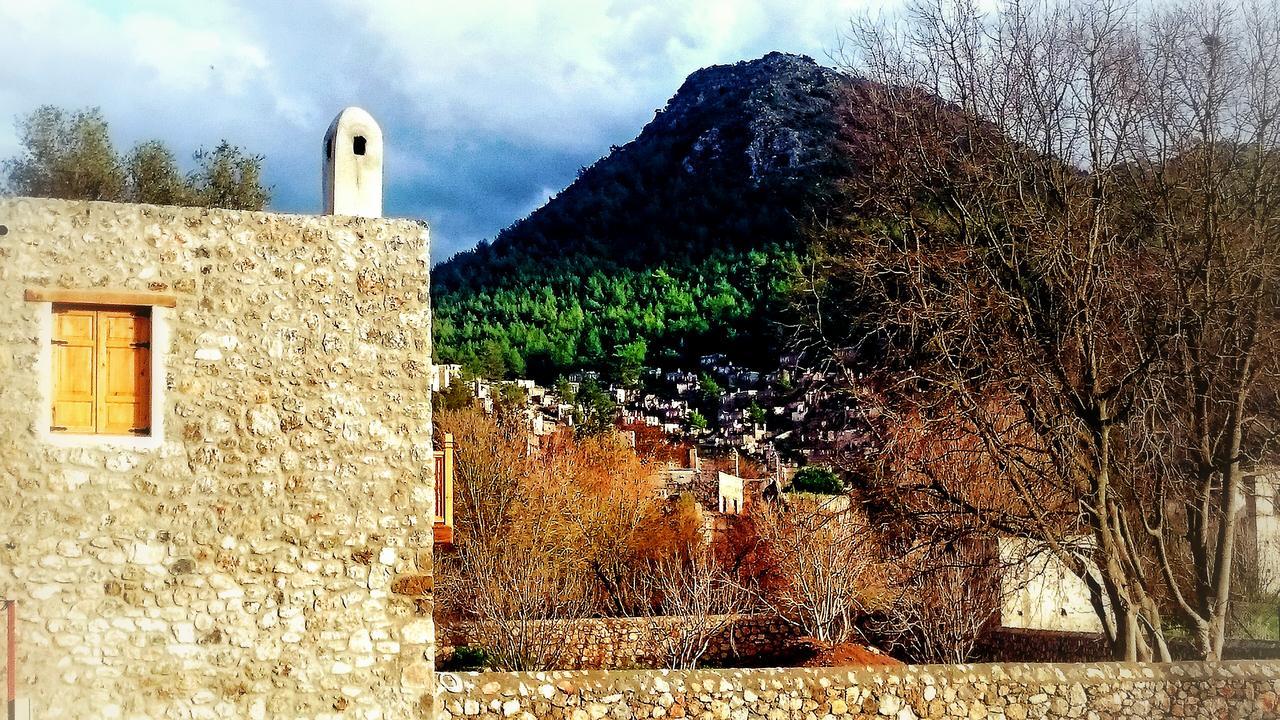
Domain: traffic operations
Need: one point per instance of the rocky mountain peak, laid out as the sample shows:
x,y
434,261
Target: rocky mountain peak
x,y
673,245
772,112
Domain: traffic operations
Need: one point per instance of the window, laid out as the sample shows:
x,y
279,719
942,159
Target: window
x,y
101,365
357,145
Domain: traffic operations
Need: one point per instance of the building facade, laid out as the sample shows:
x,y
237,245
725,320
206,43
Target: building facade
x,y
1040,592
1260,546
217,461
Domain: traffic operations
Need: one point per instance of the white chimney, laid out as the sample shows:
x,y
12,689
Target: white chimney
x,y
353,165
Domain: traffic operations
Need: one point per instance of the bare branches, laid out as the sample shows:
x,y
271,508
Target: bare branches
x,y
513,593
1063,247
944,597
827,567
697,601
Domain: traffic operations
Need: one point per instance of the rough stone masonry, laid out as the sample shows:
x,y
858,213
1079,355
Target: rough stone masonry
x,y
266,554
1239,690
626,643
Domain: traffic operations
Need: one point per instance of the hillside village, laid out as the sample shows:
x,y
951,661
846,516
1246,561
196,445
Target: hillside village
x,y
1037,593
754,413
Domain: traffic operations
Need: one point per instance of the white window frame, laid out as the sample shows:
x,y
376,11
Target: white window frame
x,y
160,320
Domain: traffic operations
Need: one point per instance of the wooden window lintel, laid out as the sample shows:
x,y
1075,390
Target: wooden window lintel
x,y
101,297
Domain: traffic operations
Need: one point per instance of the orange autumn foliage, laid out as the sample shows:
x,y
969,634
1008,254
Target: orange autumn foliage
x,y
588,504
939,471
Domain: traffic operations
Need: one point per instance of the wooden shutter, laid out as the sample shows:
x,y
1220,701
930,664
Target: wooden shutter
x,y
124,372
101,369
74,376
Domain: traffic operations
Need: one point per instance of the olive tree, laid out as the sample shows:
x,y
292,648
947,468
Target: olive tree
x,y
70,155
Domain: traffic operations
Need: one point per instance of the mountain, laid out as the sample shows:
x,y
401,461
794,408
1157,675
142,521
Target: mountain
x,y
678,243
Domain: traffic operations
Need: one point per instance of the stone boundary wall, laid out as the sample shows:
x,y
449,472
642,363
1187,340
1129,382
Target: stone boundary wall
x,y
625,643
1039,646
1238,690
1251,650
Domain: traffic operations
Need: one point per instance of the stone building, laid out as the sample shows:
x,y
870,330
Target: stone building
x,y
729,496
217,461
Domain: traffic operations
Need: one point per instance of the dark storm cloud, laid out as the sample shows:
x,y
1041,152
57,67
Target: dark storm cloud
x,y
488,108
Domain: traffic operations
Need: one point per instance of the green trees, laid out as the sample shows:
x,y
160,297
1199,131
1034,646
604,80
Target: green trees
x,y
66,155
564,389
680,240
709,389
228,177
69,154
153,175
709,394
596,410
547,319
815,479
455,397
628,361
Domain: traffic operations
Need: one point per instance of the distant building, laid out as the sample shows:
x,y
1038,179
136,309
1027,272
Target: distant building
x,y
1261,530
581,376
1040,592
443,376
730,498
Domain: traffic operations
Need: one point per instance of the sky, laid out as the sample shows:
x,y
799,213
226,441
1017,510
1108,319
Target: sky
x,y
487,108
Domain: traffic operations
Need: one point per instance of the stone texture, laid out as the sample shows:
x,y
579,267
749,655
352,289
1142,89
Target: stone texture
x,y
1041,646
1234,690
243,567
627,643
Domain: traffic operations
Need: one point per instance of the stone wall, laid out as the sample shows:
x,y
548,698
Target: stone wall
x,y
623,643
1251,650
268,555
1110,691
1023,645
1041,646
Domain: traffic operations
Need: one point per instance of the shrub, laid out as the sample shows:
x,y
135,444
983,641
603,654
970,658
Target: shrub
x,y
819,480
466,658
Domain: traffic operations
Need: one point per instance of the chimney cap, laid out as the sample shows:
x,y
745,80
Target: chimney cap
x,y
352,117
353,164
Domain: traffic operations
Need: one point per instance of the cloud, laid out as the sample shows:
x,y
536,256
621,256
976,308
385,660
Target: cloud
x,y
488,107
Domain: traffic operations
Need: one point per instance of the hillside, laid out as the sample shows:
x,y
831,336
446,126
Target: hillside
x,y
679,242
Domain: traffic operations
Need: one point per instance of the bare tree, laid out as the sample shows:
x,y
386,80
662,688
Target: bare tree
x,y
610,502
825,568
491,470
1010,251
943,599
1206,174
516,596
515,571
695,601
519,584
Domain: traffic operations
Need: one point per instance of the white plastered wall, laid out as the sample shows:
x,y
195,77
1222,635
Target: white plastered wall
x,y
1040,593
